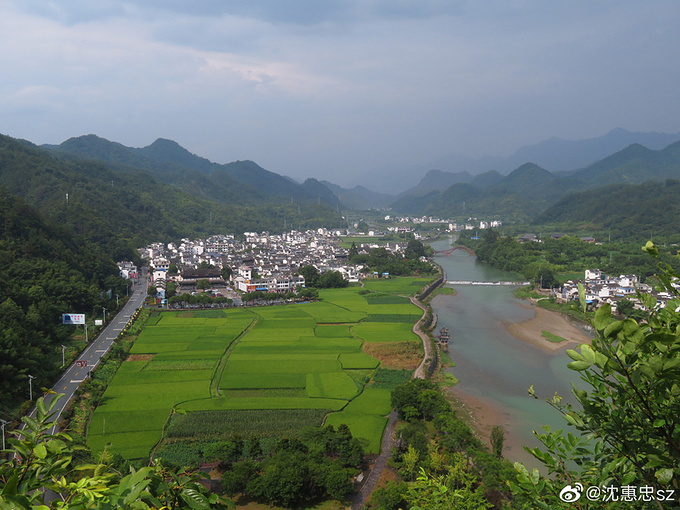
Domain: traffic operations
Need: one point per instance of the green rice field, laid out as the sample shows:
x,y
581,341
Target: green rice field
x,y
302,361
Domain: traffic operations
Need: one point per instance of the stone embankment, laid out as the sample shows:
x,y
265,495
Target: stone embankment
x,y
419,373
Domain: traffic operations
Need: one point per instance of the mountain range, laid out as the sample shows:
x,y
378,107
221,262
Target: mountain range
x,y
554,154
529,190
120,199
122,196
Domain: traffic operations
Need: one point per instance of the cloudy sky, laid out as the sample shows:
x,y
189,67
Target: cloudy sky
x,y
334,89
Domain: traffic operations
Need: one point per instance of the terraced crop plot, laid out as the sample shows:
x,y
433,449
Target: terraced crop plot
x,y
294,360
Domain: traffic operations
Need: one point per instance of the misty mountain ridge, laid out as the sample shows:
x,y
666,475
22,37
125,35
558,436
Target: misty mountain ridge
x,y
530,189
554,154
239,181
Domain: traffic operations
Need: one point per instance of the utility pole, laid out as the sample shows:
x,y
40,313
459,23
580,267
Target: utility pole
x,y
2,424
104,312
30,387
63,362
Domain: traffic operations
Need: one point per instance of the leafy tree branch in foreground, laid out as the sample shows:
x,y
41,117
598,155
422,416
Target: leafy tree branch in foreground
x,y
627,434
38,462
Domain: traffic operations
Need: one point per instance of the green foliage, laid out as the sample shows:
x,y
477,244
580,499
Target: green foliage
x,y
632,211
299,471
389,379
627,429
390,497
418,399
326,280
497,439
40,461
46,271
381,261
414,250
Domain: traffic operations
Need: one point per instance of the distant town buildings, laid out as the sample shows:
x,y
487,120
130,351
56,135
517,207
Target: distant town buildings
x,y
470,224
260,261
601,288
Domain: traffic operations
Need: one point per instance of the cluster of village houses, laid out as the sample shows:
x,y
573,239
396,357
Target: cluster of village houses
x,y
260,262
470,224
270,263
601,288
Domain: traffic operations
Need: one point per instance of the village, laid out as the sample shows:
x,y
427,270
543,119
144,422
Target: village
x,y
601,288
257,262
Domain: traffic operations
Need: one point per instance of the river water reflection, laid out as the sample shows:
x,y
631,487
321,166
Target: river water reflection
x,y
491,364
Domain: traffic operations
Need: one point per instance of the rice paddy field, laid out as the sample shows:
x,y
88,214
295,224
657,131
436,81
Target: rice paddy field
x,y
257,370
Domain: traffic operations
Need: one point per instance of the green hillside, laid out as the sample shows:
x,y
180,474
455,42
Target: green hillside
x,y
120,208
530,190
46,271
625,210
241,182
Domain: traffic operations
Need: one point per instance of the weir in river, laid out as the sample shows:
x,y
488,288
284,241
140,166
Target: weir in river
x,y
472,282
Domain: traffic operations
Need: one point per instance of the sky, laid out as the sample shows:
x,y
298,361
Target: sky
x,y
336,89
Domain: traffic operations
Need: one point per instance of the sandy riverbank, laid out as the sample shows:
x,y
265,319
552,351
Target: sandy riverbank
x,y
545,320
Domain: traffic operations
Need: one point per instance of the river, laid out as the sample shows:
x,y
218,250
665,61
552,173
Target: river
x,y
494,368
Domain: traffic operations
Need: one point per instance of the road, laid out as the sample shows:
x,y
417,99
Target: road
x,y
75,374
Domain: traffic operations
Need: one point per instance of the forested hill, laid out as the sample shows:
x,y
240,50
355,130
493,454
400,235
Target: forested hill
x,y
624,210
45,272
120,208
242,182
529,190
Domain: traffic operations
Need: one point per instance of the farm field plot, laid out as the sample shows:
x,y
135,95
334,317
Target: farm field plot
x,y
287,359
385,332
325,312
404,286
256,422
366,416
179,359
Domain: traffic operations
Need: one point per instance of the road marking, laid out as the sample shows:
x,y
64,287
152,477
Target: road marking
x,y
77,381
100,350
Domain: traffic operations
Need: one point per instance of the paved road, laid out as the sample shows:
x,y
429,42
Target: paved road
x,y
74,375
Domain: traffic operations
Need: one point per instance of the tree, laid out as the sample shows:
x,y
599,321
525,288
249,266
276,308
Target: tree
x,y
414,250
337,482
410,460
286,480
170,289
353,251
202,284
310,273
226,273
331,280
497,439
627,431
236,480
624,307
545,278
